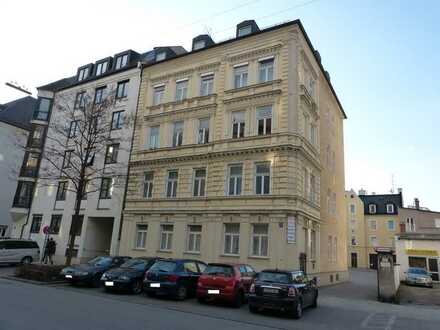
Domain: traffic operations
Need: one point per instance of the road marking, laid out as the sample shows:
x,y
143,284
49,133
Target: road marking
x,y
379,321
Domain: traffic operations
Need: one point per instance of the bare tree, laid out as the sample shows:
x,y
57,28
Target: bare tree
x,y
83,139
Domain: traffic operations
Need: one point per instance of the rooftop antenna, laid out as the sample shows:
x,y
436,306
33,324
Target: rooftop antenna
x,y
392,183
15,85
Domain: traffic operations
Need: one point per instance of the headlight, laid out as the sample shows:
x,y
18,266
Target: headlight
x,y
103,277
124,278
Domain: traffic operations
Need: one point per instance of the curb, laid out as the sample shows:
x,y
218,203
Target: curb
x,y
23,280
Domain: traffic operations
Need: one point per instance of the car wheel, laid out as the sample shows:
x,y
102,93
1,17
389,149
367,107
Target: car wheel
x,y
26,260
136,288
239,298
253,309
298,309
181,292
315,301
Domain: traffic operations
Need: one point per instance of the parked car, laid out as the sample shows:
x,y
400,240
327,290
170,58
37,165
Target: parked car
x,y
418,276
14,251
227,282
128,276
174,277
288,291
91,272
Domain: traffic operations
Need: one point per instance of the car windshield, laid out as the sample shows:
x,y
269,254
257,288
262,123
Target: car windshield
x,y
134,264
163,266
418,271
223,270
273,277
100,261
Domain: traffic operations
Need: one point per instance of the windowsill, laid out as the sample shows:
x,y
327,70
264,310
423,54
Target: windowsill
x,y
192,252
230,255
177,102
105,199
259,257
260,84
139,249
165,251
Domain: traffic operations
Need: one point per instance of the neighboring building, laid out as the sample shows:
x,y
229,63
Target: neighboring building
x,y
52,205
375,228
419,250
15,125
416,219
238,155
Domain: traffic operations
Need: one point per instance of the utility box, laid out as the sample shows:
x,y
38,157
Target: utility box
x,y
387,281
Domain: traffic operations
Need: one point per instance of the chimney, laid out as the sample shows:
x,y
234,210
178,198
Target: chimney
x,y
417,203
373,193
399,190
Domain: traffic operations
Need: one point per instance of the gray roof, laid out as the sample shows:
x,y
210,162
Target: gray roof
x,y
59,84
18,112
381,201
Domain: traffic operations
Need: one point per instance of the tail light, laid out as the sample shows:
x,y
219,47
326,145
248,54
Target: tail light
x,y
170,278
252,288
292,292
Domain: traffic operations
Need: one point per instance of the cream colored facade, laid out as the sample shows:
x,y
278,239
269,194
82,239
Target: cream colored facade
x,y
301,159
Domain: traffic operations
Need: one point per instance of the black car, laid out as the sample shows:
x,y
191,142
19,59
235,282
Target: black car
x,y
91,272
173,277
288,291
128,276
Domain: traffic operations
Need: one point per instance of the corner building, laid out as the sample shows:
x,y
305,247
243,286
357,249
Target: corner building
x,y
238,155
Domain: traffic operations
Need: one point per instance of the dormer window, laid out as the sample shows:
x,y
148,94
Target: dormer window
x,y
372,208
101,68
160,56
199,44
245,30
121,61
390,208
83,73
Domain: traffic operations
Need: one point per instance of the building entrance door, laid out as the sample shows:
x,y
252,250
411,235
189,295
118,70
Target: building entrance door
x,y
373,261
354,260
433,268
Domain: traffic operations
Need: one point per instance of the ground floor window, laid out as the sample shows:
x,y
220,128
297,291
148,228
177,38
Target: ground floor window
x,y
36,223
260,238
166,237
232,238
141,236
194,238
55,224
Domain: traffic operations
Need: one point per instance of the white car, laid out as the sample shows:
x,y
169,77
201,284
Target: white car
x,y
14,251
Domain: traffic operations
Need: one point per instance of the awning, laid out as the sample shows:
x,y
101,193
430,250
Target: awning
x,y
420,252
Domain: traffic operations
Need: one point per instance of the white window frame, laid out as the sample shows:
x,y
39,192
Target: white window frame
x,y
203,132
173,183
206,84
410,225
370,240
101,68
390,208
388,225
370,224
121,61
166,237
161,56
244,30
153,140
83,73
266,69
267,127
142,235
181,89
199,44
234,237
372,208
194,239
241,71
148,185
237,188
241,124
257,239
263,178
199,182
178,133
158,94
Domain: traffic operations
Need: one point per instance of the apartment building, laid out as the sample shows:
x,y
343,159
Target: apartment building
x,y
238,155
373,222
52,205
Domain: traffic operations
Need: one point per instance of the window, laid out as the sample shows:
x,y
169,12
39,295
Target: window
x,y
410,225
199,45
266,70
313,244
238,124
101,68
117,120
203,136
245,30
178,134
390,208
80,100
264,120
313,194
199,182
329,248
30,164
166,237
260,238
373,224
37,136
111,154
306,183
154,137
43,109
99,95
181,89
241,76
437,223
352,208
391,225
190,267
235,180
353,240
141,236
106,188
313,134
206,84
67,159
55,224
62,191
172,184
373,241
372,208
148,185
161,56
158,94
194,238
36,223
262,179
335,251
232,238
74,128
23,195
122,89
83,73
121,61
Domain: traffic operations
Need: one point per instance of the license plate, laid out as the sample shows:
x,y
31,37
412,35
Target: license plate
x,y
109,283
68,276
213,291
154,285
270,290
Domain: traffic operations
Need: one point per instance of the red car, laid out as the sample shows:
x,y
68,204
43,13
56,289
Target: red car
x,y
226,282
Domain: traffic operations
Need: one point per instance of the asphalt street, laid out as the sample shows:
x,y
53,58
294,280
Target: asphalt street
x,y
25,306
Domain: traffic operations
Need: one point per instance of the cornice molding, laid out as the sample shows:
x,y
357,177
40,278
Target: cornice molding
x,y
254,54
183,73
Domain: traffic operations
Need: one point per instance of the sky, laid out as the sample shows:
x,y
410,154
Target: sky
x,y
381,55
